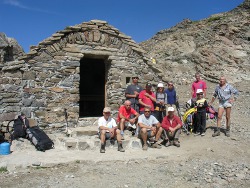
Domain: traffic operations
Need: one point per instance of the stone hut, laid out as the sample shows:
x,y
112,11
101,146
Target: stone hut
x,y
80,69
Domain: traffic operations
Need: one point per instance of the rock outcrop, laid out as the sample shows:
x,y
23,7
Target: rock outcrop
x,y
10,50
217,45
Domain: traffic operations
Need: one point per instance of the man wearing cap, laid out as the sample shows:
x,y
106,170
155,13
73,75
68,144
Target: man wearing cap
x,y
200,115
108,130
125,118
149,127
198,84
147,99
227,95
132,93
172,127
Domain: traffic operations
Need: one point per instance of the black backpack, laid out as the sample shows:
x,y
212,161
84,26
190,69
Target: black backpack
x,y
18,129
39,139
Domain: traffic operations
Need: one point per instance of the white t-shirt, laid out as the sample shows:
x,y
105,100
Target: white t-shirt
x,y
110,123
151,120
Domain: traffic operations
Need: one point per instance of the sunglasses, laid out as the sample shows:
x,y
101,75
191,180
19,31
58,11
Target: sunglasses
x,y
147,111
135,78
170,84
200,94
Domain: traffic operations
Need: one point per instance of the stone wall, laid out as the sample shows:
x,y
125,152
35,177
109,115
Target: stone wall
x,y
48,80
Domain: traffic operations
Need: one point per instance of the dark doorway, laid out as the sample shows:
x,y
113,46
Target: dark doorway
x,y
92,87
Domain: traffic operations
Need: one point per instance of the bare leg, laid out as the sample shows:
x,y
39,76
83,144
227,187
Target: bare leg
x,y
144,135
103,136
122,124
158,133
118,136
228,114
220,114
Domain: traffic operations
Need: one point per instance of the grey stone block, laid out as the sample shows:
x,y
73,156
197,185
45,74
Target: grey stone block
x,y
83,145
71,145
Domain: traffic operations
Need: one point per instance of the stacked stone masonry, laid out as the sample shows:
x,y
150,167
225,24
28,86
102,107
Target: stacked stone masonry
x,y
45,81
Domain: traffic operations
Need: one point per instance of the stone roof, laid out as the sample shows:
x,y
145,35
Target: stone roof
x,y
85,33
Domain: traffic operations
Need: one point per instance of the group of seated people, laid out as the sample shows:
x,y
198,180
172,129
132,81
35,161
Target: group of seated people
x,y
147,127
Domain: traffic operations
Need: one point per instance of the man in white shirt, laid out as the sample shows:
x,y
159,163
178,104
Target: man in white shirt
x,y
108,130
149,127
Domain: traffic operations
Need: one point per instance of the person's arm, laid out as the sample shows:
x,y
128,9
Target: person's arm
x,y
213,97
192,90
143,104
235,93
152,97
205,89
165,124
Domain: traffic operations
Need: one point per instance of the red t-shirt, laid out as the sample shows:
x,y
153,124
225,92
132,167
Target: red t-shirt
x,y
146,100
126,113
166,122
198,85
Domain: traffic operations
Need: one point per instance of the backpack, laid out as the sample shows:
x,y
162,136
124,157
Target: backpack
x,y
19,128
39,139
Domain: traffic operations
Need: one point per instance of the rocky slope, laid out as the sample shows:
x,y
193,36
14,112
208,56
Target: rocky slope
x,y
217,45
10,50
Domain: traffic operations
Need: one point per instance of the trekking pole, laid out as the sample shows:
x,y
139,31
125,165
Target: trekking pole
x,y
66,118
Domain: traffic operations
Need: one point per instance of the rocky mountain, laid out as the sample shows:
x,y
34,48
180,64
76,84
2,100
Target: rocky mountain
x,y
213,46
10,50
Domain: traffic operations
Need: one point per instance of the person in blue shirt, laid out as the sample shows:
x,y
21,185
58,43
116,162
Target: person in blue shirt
x,y
171,94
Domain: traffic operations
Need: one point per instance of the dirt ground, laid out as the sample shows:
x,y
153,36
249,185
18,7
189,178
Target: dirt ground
x,y
199,162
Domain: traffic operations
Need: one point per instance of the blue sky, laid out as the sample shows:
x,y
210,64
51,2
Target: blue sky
x,y
31,21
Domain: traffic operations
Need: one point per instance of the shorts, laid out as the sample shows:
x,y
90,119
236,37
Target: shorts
x,y
149,134
225,104
107,135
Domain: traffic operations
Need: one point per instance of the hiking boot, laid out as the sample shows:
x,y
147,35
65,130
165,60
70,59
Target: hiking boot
x,y
177,143
102,150
196,134
216,133
227,133
120,148
145,147
203,134
167,144
156,145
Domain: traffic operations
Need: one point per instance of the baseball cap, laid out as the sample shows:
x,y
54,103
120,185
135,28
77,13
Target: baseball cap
x,y
106,109
170,109
160,85
199,91
148,85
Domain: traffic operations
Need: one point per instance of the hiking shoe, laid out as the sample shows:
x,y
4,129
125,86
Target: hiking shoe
x,y
196,134
167,144
216,133
145,147
156,145
120,148
102,150
203,134
177,143
227,133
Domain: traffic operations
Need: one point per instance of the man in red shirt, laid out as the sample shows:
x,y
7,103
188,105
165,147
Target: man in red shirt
x,y
172,127
124,117
147,98
198,84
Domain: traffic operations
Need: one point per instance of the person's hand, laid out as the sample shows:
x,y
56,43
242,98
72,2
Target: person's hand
x,y
132,121
153,129
146,94
136,93
112,132
171,129
231,100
